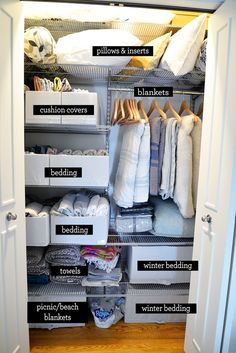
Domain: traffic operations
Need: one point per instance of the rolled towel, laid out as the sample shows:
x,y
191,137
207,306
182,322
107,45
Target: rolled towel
x,y
90,152
103,207
77,153
44,212
102,152
33,209
93,205
66,206
81,204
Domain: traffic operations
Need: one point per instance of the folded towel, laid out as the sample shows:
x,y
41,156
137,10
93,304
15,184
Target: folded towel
x,y
103,207
168,220
66,206
102,264
66,279
44,212
167,159
33,209
126,185
34,254
39,268
63,255
81,204
183,186
38,279
93,205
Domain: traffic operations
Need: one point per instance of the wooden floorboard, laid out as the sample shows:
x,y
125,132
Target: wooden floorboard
x,y
120,338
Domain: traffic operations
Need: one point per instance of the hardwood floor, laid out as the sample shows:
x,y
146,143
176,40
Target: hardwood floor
x,y
120,338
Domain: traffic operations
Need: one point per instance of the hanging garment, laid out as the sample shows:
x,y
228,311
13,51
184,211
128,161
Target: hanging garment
x,y
132,177
167,158
155,134
196,138
183,186
161,150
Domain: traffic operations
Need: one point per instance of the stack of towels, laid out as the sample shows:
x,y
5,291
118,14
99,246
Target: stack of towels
x,y
99,278
84,203
37,267
35,209
103,257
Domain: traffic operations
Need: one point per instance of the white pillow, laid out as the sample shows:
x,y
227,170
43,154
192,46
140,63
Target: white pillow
x,y
183,49
76,48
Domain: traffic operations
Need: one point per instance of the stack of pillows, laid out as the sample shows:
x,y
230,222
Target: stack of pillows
x,y
178,53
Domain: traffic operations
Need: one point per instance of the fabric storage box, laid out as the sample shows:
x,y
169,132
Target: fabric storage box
x,y
54,292
46,100
35,165
92,230
158,253
82,99
88,165
37,231
156,294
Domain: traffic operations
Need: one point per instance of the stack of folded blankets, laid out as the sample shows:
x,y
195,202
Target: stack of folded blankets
x,y
68,255
83,203
99,278
103,257
47,149
137,219
37,268
35,209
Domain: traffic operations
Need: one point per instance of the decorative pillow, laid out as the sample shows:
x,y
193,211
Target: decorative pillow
x,y
76,48
201,60
39,45
149,62
183,49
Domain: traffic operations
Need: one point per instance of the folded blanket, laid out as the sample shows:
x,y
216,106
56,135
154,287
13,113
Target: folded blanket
x,y
167,159
97,277
63,255
125,183
155,132
102,264
66,206
34,254
103,207
44,212
81,204
54,210
93,205
77,153
104,252
196,138
183,186
174,138
169,222
33,209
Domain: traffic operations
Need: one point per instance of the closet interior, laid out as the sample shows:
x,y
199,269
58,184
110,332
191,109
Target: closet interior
x,y
111,190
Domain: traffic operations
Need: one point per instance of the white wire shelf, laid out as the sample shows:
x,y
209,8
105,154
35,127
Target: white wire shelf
x,y
67,129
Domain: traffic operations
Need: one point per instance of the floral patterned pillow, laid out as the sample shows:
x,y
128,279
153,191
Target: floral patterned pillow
x,y
39,45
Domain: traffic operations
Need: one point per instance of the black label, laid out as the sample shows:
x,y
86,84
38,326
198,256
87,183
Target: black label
x,y
57,312
167,265
153,91
69,270
72,229
122,51
57,172
63,110
173,308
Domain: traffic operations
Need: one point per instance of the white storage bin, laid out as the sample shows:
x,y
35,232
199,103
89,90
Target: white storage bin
x,y
37,231
154,296
94,169
93,230
158,253
44,99
82,99
35,165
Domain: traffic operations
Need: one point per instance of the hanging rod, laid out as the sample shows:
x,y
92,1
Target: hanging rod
x,y
129,89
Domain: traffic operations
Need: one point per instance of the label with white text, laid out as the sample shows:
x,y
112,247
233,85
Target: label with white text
x,y
122,51
63,109
69,270
153,91
72,229
167,265
57,312
160,308
58,172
